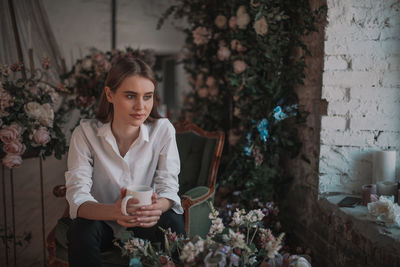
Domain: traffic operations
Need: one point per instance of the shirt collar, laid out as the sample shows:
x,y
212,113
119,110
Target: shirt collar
x,y
105,130
144,132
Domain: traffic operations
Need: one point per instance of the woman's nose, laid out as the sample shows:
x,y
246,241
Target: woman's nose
x,y
139,104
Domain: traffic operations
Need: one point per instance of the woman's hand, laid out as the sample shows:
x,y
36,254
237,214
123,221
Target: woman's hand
x,y
124,220
146,216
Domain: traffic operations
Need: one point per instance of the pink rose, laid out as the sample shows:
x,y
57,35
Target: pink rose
x,y
233,137
239,66
210,81
261,26
201,36
242,17
202,92
234,44
240,48
213,91
232,22
46,63
6,100
41,136
220,21
223,53
12,161
191,80
236,112
98,57
199,80
9,134
15,147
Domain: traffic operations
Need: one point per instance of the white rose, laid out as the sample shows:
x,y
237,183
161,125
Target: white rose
x,y
223,53
43,113
32,109
47,115
87,64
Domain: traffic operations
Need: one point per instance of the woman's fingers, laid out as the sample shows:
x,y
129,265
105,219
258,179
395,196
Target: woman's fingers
x,y
154,197
148,219
148,213
147,225
133,201
128,224
122,193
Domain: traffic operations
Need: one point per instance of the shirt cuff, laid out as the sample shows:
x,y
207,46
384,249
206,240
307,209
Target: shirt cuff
x,y
74,206
176,207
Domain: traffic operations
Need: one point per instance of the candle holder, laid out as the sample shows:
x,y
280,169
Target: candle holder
x,y
398,197
368,190
386,188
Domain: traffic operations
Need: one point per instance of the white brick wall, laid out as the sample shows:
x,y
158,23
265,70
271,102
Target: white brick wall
x,y
361,83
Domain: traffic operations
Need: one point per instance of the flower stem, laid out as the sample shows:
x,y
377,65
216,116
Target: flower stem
x,y
254,235
247,235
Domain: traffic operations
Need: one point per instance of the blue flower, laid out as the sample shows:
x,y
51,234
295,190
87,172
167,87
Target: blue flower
x,y
135,262
247,150
262,128
248,137
279,114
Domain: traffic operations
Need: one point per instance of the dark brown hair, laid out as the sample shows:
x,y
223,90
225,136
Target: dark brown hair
x,y
123,68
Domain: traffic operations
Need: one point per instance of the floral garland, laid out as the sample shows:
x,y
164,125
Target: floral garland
x,y
243,59
244,242
87,77
28,121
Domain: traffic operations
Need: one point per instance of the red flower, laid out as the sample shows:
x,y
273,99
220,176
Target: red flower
x,y
46,63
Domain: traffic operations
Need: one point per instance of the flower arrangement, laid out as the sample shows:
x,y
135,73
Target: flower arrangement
x,y
385,210
244,59
29,124
87,77
244,242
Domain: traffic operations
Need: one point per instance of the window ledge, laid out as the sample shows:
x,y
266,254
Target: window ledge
x,y
380,233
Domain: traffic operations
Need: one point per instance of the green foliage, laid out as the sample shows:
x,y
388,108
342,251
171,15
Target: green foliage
x,y
243,73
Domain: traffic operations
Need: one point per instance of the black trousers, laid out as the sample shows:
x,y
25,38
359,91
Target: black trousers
x,y
88,238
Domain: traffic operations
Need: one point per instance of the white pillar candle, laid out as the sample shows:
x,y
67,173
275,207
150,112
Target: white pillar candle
x,y
386,188
384,166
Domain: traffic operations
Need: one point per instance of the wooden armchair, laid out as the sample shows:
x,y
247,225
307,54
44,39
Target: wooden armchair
x,y
200,153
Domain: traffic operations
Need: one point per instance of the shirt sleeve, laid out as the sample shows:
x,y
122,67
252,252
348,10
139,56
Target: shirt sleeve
x,y
168,167
78,178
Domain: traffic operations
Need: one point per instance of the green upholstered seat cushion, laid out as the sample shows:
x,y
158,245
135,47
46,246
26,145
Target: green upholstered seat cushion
x,y
196,154
110,258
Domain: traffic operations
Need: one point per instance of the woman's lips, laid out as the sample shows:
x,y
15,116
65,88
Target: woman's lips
x,y
137,116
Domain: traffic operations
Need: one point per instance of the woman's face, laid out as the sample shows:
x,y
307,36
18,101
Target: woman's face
x,y
132,101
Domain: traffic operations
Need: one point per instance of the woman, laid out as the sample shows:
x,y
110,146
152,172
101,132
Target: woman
x,y
127,144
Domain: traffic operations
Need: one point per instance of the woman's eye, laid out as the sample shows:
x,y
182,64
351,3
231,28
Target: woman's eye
x,y
147,97
130,96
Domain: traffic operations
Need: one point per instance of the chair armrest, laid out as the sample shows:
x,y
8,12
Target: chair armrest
x,y
59,190
196,207
196,195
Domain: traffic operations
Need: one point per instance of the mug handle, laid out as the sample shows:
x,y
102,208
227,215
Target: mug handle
x,y
123,204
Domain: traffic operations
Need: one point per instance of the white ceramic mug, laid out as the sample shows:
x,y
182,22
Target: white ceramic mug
x,y
142,193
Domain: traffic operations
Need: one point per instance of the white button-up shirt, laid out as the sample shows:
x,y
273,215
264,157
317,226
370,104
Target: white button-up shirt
x,y
97,171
